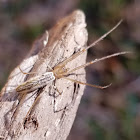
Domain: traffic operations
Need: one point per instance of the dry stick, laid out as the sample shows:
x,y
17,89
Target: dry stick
x,y
34,82
52,132
51,125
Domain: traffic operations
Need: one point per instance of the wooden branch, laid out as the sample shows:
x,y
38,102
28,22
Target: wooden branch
x,y
53,115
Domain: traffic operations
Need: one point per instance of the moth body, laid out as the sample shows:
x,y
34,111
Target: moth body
x,y
36,83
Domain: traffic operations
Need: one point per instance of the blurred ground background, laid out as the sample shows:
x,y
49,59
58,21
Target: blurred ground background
x,y
110,114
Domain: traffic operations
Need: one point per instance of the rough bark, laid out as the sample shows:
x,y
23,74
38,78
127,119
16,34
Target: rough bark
x,y
53,115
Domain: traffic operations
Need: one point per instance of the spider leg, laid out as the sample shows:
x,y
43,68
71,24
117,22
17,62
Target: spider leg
x,y
62,64
79,82
57,90
95,61
103,36
26,72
